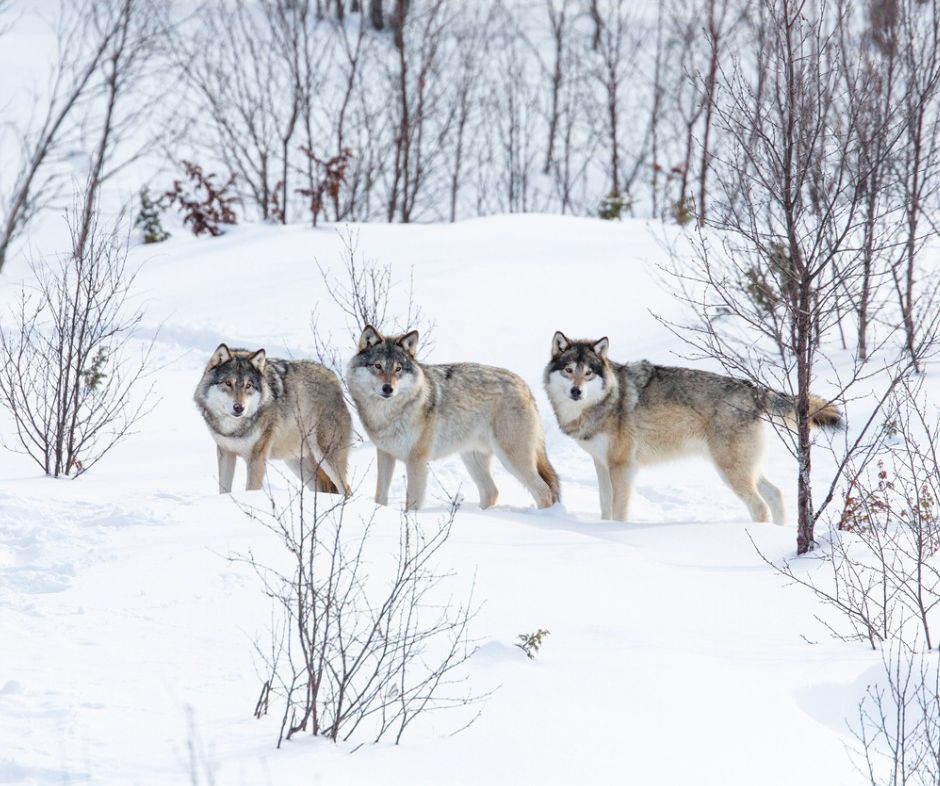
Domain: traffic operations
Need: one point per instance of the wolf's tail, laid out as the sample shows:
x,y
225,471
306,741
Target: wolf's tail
x,y
547,473
324,483
823,414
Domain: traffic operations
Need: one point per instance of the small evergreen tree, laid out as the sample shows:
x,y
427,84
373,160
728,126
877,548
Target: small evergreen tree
x,y
148,218
530,643
614,205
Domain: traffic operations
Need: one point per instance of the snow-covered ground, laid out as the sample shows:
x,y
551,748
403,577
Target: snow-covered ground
x,y
676,656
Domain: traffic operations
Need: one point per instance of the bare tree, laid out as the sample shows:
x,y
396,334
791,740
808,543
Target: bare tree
x,y
509,158
252,72
616,53
128,58
376,17
790,194
417,84
558,21
875,95
916,34
86,34
656,110
69,374
356,659
687,106
471,44
718,17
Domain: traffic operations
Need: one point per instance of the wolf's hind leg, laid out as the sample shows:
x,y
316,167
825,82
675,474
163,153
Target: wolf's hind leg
x,y
331,456
303,471
478,465
605,490
773,498
741,482
621,487
330,472
737,462
522,462
226,470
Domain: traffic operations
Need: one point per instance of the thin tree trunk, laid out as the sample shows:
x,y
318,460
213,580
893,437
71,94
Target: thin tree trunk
x,y
376,17
558,34
714,34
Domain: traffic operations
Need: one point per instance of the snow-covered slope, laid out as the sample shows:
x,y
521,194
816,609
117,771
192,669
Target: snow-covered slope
x,y
675,655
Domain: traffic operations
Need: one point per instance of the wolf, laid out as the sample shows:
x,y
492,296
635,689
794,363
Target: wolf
x,y
260,408
417,413
628,415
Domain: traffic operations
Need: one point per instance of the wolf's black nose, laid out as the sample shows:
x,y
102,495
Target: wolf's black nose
x,y
575,393
387,389
238,408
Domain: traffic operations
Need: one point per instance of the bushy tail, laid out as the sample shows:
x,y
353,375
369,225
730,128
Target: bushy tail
x,y
823,414
547,473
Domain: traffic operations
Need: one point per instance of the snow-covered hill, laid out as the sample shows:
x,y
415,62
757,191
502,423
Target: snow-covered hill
x,y
675,656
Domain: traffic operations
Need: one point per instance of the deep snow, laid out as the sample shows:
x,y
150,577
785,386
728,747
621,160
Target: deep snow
x,y
675,655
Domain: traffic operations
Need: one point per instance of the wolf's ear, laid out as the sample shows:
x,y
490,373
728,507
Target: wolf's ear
x,y
369,338
257,360
601,346
560,343
409,342
221,355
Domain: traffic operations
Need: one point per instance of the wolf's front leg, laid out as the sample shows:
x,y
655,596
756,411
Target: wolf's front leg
x,y
604,488
256,467
417,483
226,470
621,485
385,467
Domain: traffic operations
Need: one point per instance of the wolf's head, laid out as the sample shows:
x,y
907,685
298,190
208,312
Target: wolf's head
x,y
233,384
578,373
384,367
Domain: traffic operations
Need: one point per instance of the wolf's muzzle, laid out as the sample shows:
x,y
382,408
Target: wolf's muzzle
x,y
387,390
576,393
237,409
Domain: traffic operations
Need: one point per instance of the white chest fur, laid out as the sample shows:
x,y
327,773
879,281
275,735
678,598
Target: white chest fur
x,y
597,446
240,446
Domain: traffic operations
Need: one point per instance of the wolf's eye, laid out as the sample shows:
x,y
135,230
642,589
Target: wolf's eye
x,y
569,370
378,366
247,386
397,369
228,383
588,374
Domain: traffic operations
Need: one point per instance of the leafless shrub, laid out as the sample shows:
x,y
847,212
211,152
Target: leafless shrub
x,y
357,659
68,375
362,293
898,721
878,569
